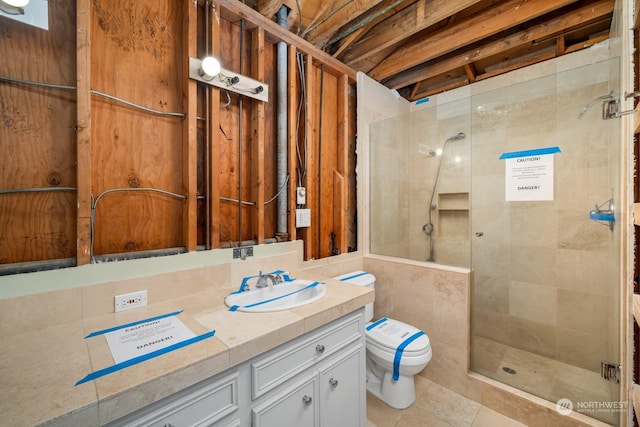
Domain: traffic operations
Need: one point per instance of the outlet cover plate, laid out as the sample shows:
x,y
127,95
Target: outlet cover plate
x,y
129,301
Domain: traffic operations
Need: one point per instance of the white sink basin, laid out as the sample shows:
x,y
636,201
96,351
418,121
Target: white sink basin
x,y
283,296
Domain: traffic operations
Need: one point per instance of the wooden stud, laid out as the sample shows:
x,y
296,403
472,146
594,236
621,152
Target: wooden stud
x,y
216,138
471,72
292,114
190,128
560,46
83,88
258,135
340,192
311,184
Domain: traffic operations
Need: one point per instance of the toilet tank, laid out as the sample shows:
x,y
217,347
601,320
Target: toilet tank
x,y
361,278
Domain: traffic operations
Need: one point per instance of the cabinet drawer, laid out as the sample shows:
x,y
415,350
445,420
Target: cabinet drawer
x,y
286,361
296,406
200,405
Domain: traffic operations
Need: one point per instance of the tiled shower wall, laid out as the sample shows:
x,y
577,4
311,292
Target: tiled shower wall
x,y
545,275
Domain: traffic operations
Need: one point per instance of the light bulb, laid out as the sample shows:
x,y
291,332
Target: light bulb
x,y
209,68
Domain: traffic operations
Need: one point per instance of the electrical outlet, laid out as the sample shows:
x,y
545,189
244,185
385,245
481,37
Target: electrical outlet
x,y
131,300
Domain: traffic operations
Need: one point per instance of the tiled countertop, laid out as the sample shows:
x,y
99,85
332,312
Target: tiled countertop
x,y
38,369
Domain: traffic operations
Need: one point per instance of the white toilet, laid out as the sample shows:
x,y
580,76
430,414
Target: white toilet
x,y
395,352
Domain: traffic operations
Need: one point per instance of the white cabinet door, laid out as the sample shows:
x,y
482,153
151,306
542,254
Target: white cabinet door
x,y
341,390
295,406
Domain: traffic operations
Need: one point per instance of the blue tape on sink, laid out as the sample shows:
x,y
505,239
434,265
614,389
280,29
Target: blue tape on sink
x,y
255,304
399,350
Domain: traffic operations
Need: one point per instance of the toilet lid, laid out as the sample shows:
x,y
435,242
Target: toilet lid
x,y
390,334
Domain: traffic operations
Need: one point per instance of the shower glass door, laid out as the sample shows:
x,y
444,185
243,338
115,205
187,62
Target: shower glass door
x,y
545,276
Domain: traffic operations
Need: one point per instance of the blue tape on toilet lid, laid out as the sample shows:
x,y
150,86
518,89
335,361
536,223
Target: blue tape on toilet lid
x,y
391,333
400,350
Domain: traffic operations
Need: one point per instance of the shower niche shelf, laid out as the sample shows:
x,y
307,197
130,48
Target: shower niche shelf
x,y
453,216
453,201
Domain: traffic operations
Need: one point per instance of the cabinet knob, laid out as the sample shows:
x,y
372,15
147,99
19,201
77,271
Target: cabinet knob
x,y
320,348
307,400
333,382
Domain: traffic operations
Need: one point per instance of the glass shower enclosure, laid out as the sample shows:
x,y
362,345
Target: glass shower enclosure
x,y
545,266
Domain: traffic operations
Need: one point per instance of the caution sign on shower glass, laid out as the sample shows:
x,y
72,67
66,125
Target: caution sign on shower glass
x,y
529,174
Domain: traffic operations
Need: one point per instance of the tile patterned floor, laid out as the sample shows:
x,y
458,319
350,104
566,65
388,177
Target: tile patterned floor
x,y
435,406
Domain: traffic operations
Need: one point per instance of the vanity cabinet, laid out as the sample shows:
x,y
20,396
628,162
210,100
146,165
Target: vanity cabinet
x,y
212,402
317,379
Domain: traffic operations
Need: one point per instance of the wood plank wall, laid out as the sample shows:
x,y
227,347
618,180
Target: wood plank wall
x,y
195,175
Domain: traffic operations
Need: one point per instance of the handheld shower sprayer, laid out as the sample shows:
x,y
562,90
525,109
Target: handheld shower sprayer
x,y
428,228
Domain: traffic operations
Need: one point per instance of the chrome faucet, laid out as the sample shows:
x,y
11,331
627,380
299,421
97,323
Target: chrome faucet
x,y
262,280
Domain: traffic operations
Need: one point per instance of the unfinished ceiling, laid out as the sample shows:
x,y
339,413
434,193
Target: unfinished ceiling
x,y
422,47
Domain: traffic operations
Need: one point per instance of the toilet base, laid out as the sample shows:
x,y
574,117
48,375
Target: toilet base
x,y
398,394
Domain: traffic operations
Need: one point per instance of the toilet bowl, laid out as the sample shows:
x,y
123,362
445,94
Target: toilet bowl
x,y
396,352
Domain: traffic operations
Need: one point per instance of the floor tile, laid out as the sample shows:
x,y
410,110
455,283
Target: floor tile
x,y
489,418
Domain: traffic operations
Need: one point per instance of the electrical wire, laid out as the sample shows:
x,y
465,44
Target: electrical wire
x,y
325,19
140,107
302,167
282,187
34,190
95,92
32,83
94,205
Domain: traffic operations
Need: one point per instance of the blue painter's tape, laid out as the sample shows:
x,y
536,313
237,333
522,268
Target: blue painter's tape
x,y
422,101
128,325
602,216
255,304
344,279
102,372
529,153
399,350
376,323
285,277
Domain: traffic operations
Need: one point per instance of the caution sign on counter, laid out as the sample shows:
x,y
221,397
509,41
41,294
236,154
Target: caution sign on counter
x,y
140,341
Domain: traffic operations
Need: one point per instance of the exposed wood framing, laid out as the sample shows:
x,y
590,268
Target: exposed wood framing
x,y
546,30
340,175
292,137
234,10
258,135
216,137
83,87
410,20
190,128
504,16
311,235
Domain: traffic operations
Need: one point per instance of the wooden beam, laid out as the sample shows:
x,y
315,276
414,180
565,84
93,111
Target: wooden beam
x,y
258,135
517,65
340,183
579,46
234,10
83,102
319,34
471,72
402,25
189,128
580,16
292,117
215,139
502,17
560,46
311,132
